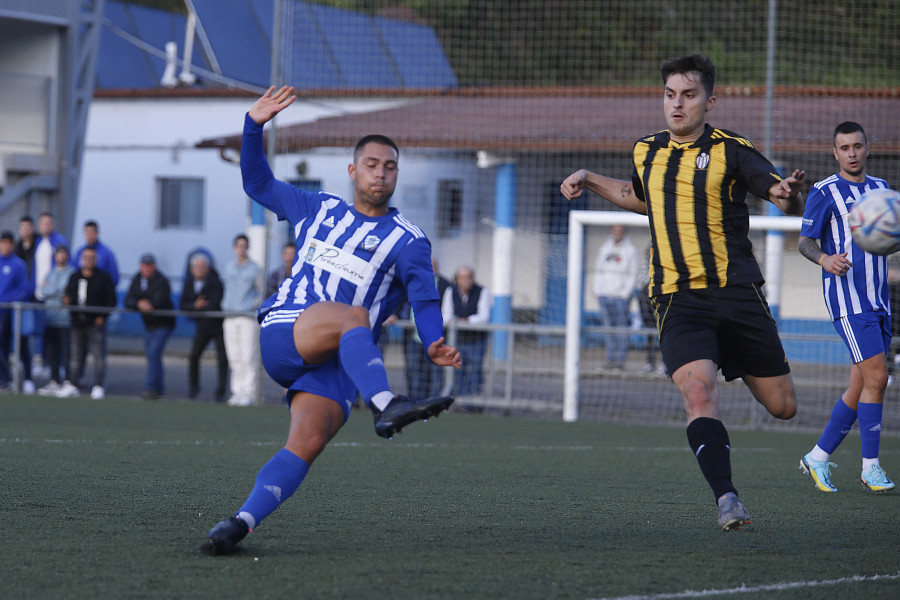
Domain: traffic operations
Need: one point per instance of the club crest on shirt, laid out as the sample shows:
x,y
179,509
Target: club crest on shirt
x,y
703,160
310,252
370,242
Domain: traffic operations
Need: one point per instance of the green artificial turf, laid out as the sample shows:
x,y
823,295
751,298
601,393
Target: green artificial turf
x,y
113,498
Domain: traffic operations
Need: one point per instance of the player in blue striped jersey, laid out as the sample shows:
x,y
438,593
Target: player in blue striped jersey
x,y
856,295
318,332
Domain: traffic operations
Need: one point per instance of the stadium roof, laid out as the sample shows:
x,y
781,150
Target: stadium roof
x,y
232,47
586,120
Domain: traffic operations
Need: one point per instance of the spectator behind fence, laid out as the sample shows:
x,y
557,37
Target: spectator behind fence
x,y
242,282
288,253
45,247
56,322
150,291
467,302
203,292
893,281
648,319
14,287
25,247
615,272
88,287
106,258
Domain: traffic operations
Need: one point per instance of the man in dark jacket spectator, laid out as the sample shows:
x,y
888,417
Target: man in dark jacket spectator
x,y
203,293
150,291
25,247
88,287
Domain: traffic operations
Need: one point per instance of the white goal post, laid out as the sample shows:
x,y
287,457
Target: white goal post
x,y
579,219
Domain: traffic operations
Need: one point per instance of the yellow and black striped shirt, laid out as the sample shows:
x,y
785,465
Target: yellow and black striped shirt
x,y
699,222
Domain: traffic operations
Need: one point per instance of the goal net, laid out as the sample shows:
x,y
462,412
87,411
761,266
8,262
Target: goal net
x,y
493,103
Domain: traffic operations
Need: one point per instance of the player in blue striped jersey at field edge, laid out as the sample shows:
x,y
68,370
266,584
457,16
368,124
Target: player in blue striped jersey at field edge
x,y
856,294
318,332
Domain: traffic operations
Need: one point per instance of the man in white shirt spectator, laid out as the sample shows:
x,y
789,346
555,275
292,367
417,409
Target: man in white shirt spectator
x,y
615,272
242,280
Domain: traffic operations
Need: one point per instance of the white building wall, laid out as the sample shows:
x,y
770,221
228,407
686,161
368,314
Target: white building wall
x,y
132,142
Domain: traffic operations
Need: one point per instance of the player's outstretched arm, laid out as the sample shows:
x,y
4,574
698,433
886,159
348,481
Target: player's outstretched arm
x,y
443,355
786,193
271,103
616,191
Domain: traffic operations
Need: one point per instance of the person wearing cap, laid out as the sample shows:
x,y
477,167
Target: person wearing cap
x,y
150,291
88,287
14,287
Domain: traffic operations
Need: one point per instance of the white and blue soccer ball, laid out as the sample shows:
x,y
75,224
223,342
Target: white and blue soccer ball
x,y
875,221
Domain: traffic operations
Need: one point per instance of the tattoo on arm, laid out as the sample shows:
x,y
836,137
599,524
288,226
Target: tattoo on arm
x,y
810,249
626,191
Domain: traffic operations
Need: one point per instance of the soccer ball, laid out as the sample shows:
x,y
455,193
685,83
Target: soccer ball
x,y
875,221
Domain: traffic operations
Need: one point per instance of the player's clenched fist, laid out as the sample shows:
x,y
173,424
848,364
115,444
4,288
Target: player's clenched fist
x,y
573,185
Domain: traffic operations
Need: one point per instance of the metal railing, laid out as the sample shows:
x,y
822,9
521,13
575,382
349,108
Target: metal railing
x,y
19,308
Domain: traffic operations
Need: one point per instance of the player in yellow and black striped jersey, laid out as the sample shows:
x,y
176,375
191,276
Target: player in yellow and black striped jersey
x,y
694,186
692,181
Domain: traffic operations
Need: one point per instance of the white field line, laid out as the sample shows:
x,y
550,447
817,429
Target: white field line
x,y
774,587
393,444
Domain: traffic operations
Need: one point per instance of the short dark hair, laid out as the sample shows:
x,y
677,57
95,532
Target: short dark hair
x,y
240,236
93,224
376,138
26,219
8,236
849,127
694,63
290,245
47,213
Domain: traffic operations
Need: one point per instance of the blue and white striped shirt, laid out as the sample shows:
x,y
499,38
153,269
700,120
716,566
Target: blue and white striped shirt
x,y
343,255
864,288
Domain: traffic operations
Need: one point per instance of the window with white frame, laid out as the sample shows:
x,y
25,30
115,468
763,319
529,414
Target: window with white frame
x,y
180,203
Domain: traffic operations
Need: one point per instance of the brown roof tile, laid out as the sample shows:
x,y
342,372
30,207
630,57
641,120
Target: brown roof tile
x,y
533,120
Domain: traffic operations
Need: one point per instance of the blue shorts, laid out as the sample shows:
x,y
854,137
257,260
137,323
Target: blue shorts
x,y
284,364
866,334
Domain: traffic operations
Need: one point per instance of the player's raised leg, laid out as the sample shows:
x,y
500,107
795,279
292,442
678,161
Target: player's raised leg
x,y
776,394
326,328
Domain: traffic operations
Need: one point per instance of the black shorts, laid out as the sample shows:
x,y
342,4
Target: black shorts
x,y
730,326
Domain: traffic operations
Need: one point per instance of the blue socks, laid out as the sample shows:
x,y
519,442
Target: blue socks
x,y
839,425
362,361
276,481
869,428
